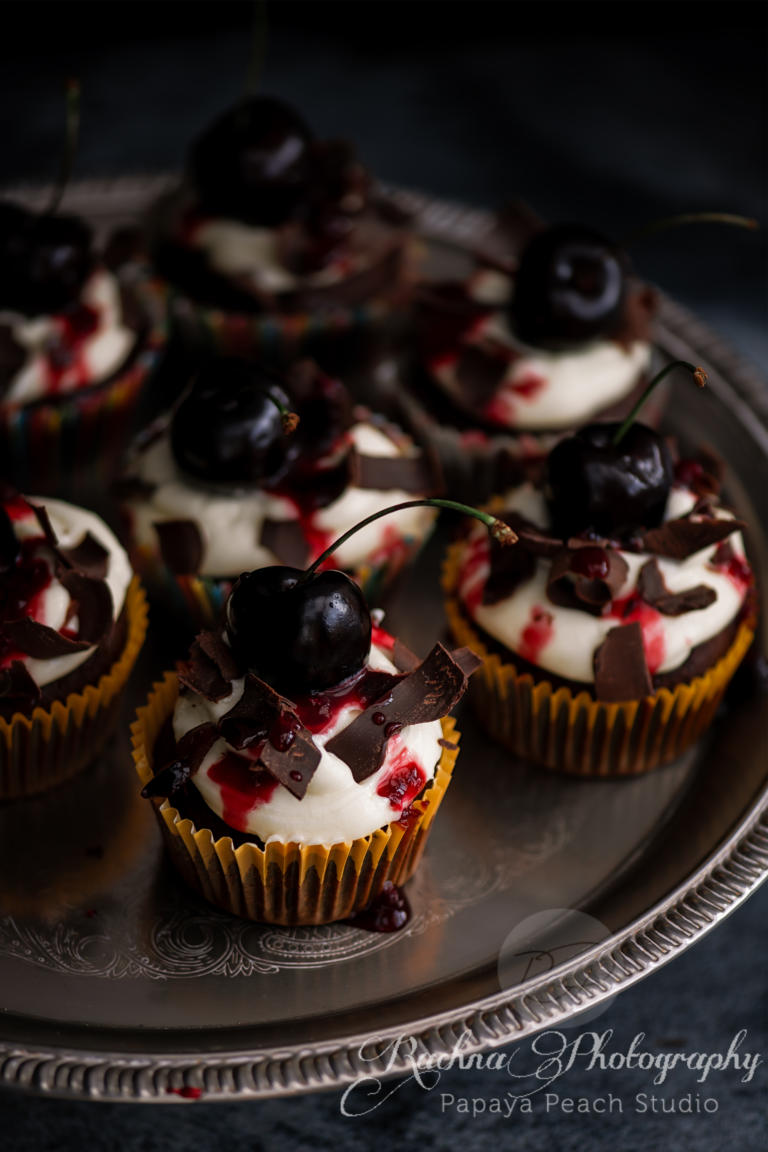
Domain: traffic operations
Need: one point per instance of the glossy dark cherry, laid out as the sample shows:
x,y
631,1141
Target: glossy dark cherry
x,y
59,263
253,163
300,638
569,288
226,430
611,490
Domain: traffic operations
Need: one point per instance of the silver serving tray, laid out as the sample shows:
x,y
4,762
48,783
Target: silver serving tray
x,y
117,983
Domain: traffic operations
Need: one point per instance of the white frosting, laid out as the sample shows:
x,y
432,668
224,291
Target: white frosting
x,y
70,525
99,354
241,250
231,526
576,635
334,808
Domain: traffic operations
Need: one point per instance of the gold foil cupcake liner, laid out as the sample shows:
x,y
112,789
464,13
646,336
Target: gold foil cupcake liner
x,y
288,883
574,732
56,742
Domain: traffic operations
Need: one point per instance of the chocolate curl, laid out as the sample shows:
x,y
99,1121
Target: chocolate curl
x,y
94,604
651,586
681,538
410,474
191,750
571,589
285,539
181,545
89,557
18,687
288,751
38,640
621,672
428,693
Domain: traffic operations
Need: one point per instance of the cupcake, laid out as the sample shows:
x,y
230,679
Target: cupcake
x,y
219,487
611,630
72,621
297,758
279,244
76,348
525,351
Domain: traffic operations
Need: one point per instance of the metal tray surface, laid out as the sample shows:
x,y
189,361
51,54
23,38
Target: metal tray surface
x,y
117,983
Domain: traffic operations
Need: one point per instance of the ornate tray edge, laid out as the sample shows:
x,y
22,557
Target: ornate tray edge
x,y
720,885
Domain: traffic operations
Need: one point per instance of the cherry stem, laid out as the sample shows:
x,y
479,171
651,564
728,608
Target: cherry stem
x,y
72,131
692,218
497,528
699,376
289,420
258,48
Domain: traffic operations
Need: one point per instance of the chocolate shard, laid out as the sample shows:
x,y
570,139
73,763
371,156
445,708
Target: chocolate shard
x,y
39,641
467,660
191,750
634,324
216,649
248,721
651,586
428,693
181,545
569,588
679,539
479,373
511,567
407,473
17,687
262,716
202,675
621,672
46,527
94,604
89,557
403,658
286,541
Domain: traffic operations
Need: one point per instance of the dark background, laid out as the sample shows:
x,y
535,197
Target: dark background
x,y
611,113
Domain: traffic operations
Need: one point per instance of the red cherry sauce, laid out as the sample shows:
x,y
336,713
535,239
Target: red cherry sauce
x,y
689,473
242,788
735,568
319,711
536,634
388,912
380,638
529,385
66,355
404,779
22,591
631,609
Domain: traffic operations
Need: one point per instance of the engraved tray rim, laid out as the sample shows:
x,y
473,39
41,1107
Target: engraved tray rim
x,y
728,875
